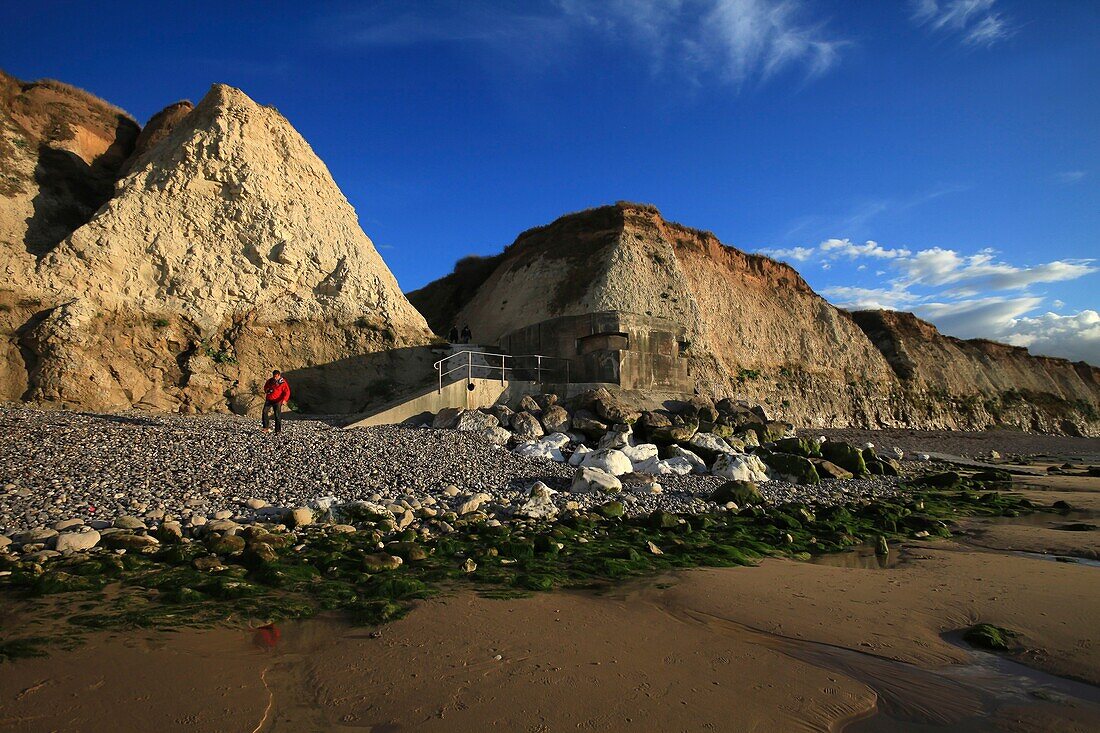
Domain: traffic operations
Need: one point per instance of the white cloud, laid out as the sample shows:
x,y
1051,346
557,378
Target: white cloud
x,y
969,296
1070,177
976,22
735,42
1074,336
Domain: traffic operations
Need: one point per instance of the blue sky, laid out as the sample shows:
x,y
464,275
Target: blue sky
x,y
940,156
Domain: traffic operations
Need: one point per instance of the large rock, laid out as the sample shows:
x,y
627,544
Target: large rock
x,y
590,480
496,435
619,436
539,504
77,541
586,421
740,467
640,453
475,420
846,456
540,449
611,460
555,419
708,446
526,426
789,467
447,418
698,465
741,493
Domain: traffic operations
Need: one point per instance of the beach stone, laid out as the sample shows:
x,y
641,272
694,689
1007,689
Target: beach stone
x,y
469,565
742,493
223,514
169,532
612,461
539,504
221,525
541,450
473,503
34,536
207,563
229,544
77,541
343,529
708,446
584,421
66,524
740,467
381,562
4,541
299,517
409,551
589,480
640,453
129,542
255,503
128,522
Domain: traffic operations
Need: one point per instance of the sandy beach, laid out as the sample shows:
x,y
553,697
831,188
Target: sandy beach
x,y
847,642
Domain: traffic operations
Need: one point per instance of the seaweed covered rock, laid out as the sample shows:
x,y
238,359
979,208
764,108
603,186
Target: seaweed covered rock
x,y
796,469
804,447
742,493
828,469
846,456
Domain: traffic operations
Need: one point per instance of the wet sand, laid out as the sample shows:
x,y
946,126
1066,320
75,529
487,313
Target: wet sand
x,y
786,646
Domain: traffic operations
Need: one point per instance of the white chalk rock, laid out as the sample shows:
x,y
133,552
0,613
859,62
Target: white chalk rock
x,y
740,467
579,454
613,461
593,480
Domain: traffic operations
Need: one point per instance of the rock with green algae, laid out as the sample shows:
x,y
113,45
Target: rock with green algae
x,y
742,493
790,467
988,636
846,456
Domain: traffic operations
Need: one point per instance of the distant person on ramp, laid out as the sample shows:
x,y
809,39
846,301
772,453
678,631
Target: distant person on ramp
x,y
466,335
453,335
276,394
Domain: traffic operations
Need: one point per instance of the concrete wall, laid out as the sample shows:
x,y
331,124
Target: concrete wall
x,y
431,400
611,347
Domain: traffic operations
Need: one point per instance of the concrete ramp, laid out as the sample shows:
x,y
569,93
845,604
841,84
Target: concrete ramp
x,y
472,393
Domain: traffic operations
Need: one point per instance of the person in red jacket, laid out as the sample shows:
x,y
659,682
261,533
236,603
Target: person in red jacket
x,y
276,394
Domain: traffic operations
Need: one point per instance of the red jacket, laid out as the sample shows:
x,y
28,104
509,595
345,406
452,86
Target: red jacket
x,y
277,390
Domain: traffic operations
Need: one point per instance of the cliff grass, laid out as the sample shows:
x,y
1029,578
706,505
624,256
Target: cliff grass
x,y
266,577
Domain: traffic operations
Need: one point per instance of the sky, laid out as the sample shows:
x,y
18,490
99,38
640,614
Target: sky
x,y
938,156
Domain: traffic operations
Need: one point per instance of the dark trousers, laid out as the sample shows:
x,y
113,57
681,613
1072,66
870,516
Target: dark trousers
x,y
273,407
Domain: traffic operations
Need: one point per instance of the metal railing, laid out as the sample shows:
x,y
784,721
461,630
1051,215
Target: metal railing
x,y
486,366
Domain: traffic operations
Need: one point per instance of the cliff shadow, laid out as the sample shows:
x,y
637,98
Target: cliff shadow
x,y
355,384
70,191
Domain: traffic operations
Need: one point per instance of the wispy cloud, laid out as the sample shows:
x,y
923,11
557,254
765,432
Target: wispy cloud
x,y
854,221
1070,177
737,43
975,22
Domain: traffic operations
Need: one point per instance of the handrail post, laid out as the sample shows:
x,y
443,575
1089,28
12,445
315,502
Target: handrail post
x,y
538,367
469,366
502,358
439,372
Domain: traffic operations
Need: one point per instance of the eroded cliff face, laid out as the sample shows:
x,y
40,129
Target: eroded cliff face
x,y
755,329
225,250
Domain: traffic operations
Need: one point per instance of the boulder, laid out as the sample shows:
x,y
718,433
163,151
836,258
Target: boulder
x,y
34,536
540,449
588,480
579,454
133,542
741,493
496,435
298,517
611,409
526,426
613,461
473,503
128,522
555,419
546,400
670,466
77,541
539,504
619,436
846,456
789,467
740,467
640,453
698,465
708,446
798,446
527,404
828,469
475,420
586,422
503,414
447,418
381,562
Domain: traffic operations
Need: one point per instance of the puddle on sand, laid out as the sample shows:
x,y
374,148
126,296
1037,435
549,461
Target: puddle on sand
x,y
862,557
1058,558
